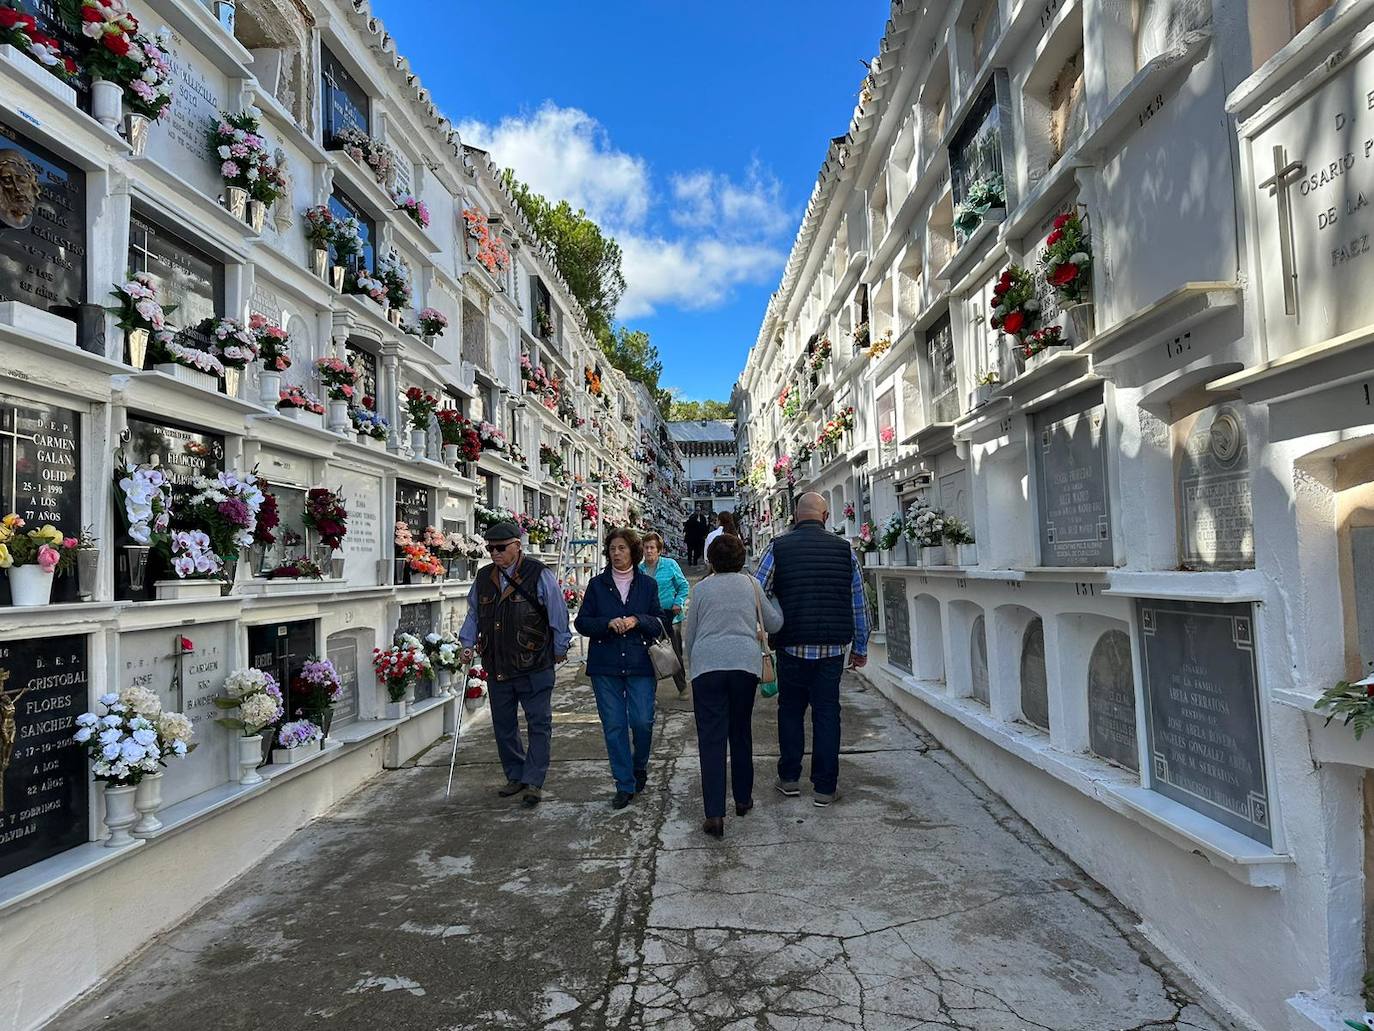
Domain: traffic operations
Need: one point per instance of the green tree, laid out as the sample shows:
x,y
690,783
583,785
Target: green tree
x,y
690,411
588,259
631,351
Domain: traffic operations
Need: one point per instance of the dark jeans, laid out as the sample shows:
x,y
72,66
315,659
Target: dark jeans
x,y
626,707
533,693
814,683
723,702
674,633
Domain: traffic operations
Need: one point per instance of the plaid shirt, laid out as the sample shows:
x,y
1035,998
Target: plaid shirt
x,y
860,604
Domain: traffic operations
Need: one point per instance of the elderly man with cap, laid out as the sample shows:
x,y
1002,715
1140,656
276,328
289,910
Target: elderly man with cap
x,y
518,622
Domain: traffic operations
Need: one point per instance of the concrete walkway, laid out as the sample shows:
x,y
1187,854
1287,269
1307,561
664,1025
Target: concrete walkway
x,y
918,902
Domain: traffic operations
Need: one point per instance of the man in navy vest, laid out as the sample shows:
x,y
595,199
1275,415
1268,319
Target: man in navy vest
x,y
817,580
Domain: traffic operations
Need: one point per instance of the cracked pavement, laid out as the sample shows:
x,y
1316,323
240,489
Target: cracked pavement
x,y
919,901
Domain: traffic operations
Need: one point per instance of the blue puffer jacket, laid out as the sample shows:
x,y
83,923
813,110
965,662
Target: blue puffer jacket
x,y
609,653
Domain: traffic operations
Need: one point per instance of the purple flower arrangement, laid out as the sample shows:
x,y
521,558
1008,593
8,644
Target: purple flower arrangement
x,y
298,734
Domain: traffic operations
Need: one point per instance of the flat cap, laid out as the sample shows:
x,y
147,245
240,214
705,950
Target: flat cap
x,y
502,531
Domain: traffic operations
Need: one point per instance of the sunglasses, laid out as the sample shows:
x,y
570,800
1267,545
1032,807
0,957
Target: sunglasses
x,y
496,549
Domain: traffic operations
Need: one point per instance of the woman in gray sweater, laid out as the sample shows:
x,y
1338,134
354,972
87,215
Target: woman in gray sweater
x,y
724,654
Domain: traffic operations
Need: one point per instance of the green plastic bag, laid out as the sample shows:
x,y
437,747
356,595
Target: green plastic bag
x,y
769,690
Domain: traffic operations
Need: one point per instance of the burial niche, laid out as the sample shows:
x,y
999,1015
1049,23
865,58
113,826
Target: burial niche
x,y
1035,681
978,660
1111,701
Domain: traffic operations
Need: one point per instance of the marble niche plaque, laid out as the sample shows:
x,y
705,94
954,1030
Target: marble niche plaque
x,y
1111,701
1362,560
42,225
40,474
1212,470
343,651
1035,681
418,619
978,660
186,667
898,622
44,779
362,545
177,139
282,650
412,506
1071,476
1206,744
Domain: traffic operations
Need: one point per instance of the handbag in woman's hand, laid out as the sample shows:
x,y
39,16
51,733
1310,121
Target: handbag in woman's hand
x,y
768,676
663,657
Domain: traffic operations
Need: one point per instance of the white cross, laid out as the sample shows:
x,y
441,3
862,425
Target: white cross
x,y
1277,184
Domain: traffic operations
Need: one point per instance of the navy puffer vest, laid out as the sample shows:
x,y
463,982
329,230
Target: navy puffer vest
x,y
813,571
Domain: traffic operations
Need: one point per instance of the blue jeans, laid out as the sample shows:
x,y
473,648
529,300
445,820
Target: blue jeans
x,y
626,707
814,683
533,693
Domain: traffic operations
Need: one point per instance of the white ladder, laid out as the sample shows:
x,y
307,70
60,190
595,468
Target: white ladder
x,y
578,553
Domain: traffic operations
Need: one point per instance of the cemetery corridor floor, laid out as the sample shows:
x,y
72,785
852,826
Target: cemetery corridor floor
x,y
919,901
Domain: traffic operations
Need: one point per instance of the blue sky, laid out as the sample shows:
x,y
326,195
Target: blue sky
x,y
693,132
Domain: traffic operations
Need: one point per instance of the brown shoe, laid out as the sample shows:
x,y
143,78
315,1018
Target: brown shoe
x,y
714,826
743,807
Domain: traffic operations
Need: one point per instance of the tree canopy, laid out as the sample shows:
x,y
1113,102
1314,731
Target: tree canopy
x,y
691,411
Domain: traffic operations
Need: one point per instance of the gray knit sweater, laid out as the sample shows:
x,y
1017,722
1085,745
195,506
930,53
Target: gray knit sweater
x,y
720,632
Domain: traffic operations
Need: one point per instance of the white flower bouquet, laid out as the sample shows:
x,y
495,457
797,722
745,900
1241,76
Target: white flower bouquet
x,y
122,744
925,526
256,696
445,651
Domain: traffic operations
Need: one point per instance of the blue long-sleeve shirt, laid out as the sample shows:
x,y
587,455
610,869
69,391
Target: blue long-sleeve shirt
x,y
672,585
860,605
549,595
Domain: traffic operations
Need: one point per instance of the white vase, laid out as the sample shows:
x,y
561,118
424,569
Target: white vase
x,y
968,554
250,754
296,414
289,756
30,585
339,421
193,377
319,262
336,276
933,556
232,378
269,388
394,315
136,129
394,710
473,704
119,814
148,800
419,441
107,103
1080,322
137,341
257,215
187,590
450,454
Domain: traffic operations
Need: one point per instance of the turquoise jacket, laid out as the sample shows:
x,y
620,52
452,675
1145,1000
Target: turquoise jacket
x,y
672,585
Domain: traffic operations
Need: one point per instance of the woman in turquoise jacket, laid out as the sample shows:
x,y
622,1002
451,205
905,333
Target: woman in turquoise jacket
x,y
672,596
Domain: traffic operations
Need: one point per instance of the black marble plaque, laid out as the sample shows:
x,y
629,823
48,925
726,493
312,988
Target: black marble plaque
x,y
412,506
345,102
52,23
1035,681
40,474
343,206
975,151
343,652
282,650
45,785
186,276
1216,520
181,453
944,389
42,225
1111,701
897,613
1071,479
418,619
1202,688
978,660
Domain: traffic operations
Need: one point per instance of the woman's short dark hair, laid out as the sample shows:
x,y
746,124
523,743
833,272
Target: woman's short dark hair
x,y
656,537
631,540
726,554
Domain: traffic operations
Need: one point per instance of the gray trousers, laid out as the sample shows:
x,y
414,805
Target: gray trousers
x,y
524,764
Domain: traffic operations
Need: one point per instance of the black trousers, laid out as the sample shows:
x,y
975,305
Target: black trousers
x,y
723,702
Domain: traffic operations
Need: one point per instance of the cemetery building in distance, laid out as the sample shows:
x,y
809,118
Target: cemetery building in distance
x,y
424,286
708,451
1092,278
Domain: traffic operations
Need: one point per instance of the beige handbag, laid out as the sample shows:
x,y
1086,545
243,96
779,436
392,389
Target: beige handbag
x,y
768,674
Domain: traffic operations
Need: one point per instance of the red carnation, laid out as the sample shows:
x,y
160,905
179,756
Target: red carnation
x,y
70,65
1000,289
115,44
9,18
1054,237
89,13
1014,321
1064,274
1062,220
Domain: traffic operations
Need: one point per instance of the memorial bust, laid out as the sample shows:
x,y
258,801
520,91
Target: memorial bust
x,y
18,190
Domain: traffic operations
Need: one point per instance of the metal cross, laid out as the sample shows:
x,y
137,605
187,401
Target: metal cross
x,y
1277,184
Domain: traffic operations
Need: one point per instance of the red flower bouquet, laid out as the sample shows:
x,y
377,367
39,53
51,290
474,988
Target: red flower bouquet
x,y
1015,309
1067,259
326,515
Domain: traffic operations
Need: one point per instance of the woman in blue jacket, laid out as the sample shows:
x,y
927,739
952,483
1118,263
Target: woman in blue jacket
x,y
672,596
619,616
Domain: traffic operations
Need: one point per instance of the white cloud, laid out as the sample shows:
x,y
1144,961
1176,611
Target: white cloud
x,y
688,249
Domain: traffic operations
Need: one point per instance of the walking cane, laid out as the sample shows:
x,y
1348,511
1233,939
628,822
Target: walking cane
x,y
457,730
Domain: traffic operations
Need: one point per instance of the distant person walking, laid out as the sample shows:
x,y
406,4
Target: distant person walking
x,y
518,622
620,615
818,583
695,532
672,595
725,524
724,647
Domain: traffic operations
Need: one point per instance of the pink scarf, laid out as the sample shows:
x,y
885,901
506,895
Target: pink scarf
x,y
623,582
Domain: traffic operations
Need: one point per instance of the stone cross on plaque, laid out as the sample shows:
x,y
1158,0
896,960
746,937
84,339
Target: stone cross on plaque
x,y
15,437
1277,184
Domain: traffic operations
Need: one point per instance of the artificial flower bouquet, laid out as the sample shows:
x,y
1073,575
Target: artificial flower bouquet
x,y
269,518
130,739
1040,340
444,651
395,278
887,435
298,734
368,423
166,349
420,407
891,532
19,29
298,397
338,378
488,249
588,508
223,509
363,149
925,526
256,697
433,322
415,209
492,438
138,306
401,667
849,510
1015,310
147,500
476,686
956,531
866,541
274,344
235,141
234,344
821,355
318,223
295,569
360,281
543,320
982,196
1067,259
318,685
46,547
326,515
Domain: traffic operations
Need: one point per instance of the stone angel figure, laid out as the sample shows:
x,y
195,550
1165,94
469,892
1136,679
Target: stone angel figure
x,y
283,216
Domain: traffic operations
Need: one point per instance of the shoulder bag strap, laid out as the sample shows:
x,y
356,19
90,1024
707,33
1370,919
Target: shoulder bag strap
x,y
520,590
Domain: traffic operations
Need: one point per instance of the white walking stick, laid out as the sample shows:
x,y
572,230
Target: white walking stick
x,y
457,730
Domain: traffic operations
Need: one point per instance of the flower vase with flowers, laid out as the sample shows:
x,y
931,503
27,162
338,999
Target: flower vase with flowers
x,y
1067,264
446,655
362,148
296,741
186,359
274,350
19,29
326,514
315,690
400,669
413,208
460,440
299,404
475,687
235,345
420,408
113,53
368,425
395,278
32,558
484,246
338,378
433,322
361,282
1040,343
122,744
246,165
1015,310
139,314
984,198
256,701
